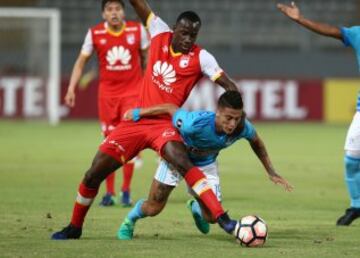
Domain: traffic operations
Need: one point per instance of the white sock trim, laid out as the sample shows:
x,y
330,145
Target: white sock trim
x,y
83,201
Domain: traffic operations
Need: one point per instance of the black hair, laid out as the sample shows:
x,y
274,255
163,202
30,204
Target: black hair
x,y
189,15
104,2
231,99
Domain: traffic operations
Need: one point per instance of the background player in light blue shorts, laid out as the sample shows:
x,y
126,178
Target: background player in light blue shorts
x,y
350,37
205,134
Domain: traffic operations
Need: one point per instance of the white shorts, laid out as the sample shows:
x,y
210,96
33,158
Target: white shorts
x,y
352,142
169,176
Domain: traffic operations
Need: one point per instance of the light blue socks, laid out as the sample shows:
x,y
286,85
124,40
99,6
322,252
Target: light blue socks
x,y
352,179
136,212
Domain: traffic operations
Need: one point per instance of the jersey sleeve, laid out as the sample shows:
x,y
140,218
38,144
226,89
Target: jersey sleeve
x,y
249,132
209,65
351,36
88,46
144,38
189,122
156,25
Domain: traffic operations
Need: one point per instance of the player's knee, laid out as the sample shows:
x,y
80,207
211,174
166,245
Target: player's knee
x,y
101,167
90,180
175,153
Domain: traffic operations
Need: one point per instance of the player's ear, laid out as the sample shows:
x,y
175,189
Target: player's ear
x,y
103,15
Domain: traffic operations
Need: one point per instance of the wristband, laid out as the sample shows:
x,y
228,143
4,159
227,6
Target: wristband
x,y
136,114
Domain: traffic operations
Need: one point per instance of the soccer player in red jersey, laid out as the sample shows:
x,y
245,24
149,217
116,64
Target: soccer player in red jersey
x,y
121,48
174,67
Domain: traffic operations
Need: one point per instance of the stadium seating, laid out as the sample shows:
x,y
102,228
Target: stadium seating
x,y
227,23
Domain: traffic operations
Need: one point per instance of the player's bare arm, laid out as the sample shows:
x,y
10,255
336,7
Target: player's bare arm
x,y
75,78
163,109
259,149
225,82
294,13
142,9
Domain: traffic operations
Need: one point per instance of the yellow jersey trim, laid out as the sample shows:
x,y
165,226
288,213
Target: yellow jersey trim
x,y
149,18
114,33
173,53
217,76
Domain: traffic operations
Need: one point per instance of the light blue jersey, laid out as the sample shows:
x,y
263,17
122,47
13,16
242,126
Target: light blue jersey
x,y
351,37
198,131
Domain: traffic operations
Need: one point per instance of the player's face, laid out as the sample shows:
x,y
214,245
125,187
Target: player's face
x,y
227,119
185,34
113,13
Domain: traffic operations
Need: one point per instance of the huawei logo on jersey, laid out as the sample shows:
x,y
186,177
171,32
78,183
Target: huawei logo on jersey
x,y
164,75
120,54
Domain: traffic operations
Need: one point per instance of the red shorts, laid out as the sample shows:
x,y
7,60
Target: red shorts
x,y
111,111
129,138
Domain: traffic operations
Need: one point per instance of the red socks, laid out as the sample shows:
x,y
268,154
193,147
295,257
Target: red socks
x,y
110,183
83,202
197,181
128,171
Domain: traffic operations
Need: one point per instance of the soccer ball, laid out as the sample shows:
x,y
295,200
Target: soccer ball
x,y
251,231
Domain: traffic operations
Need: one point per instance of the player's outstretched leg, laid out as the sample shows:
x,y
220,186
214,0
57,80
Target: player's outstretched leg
x,y
126,230
175,153
352,178
101,167
194,207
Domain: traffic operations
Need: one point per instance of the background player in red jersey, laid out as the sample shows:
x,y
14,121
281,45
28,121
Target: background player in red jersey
x,y
121,48
174,67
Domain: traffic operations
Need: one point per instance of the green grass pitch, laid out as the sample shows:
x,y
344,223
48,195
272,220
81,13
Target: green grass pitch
x,y
41,167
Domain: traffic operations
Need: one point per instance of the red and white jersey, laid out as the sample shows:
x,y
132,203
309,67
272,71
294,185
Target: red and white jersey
x,y
118,57
170,76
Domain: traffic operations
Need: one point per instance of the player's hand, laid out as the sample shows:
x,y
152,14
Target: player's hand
x,y
278,180
292,11
128,115
70,99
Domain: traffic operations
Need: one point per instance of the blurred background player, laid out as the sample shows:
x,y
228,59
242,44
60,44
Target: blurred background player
x,y
174,67
121,49
350,37
205,134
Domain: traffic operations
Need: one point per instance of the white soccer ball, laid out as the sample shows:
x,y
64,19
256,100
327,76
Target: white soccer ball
x,y
251,231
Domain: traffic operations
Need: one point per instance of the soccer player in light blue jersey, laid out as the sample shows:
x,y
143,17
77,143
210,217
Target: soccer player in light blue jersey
x,y
205,134
350,37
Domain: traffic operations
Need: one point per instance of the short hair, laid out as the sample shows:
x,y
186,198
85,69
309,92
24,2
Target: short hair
x,y
231,99
189,15
104,2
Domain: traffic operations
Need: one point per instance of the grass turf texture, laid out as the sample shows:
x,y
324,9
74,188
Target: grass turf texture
x,y
41,167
